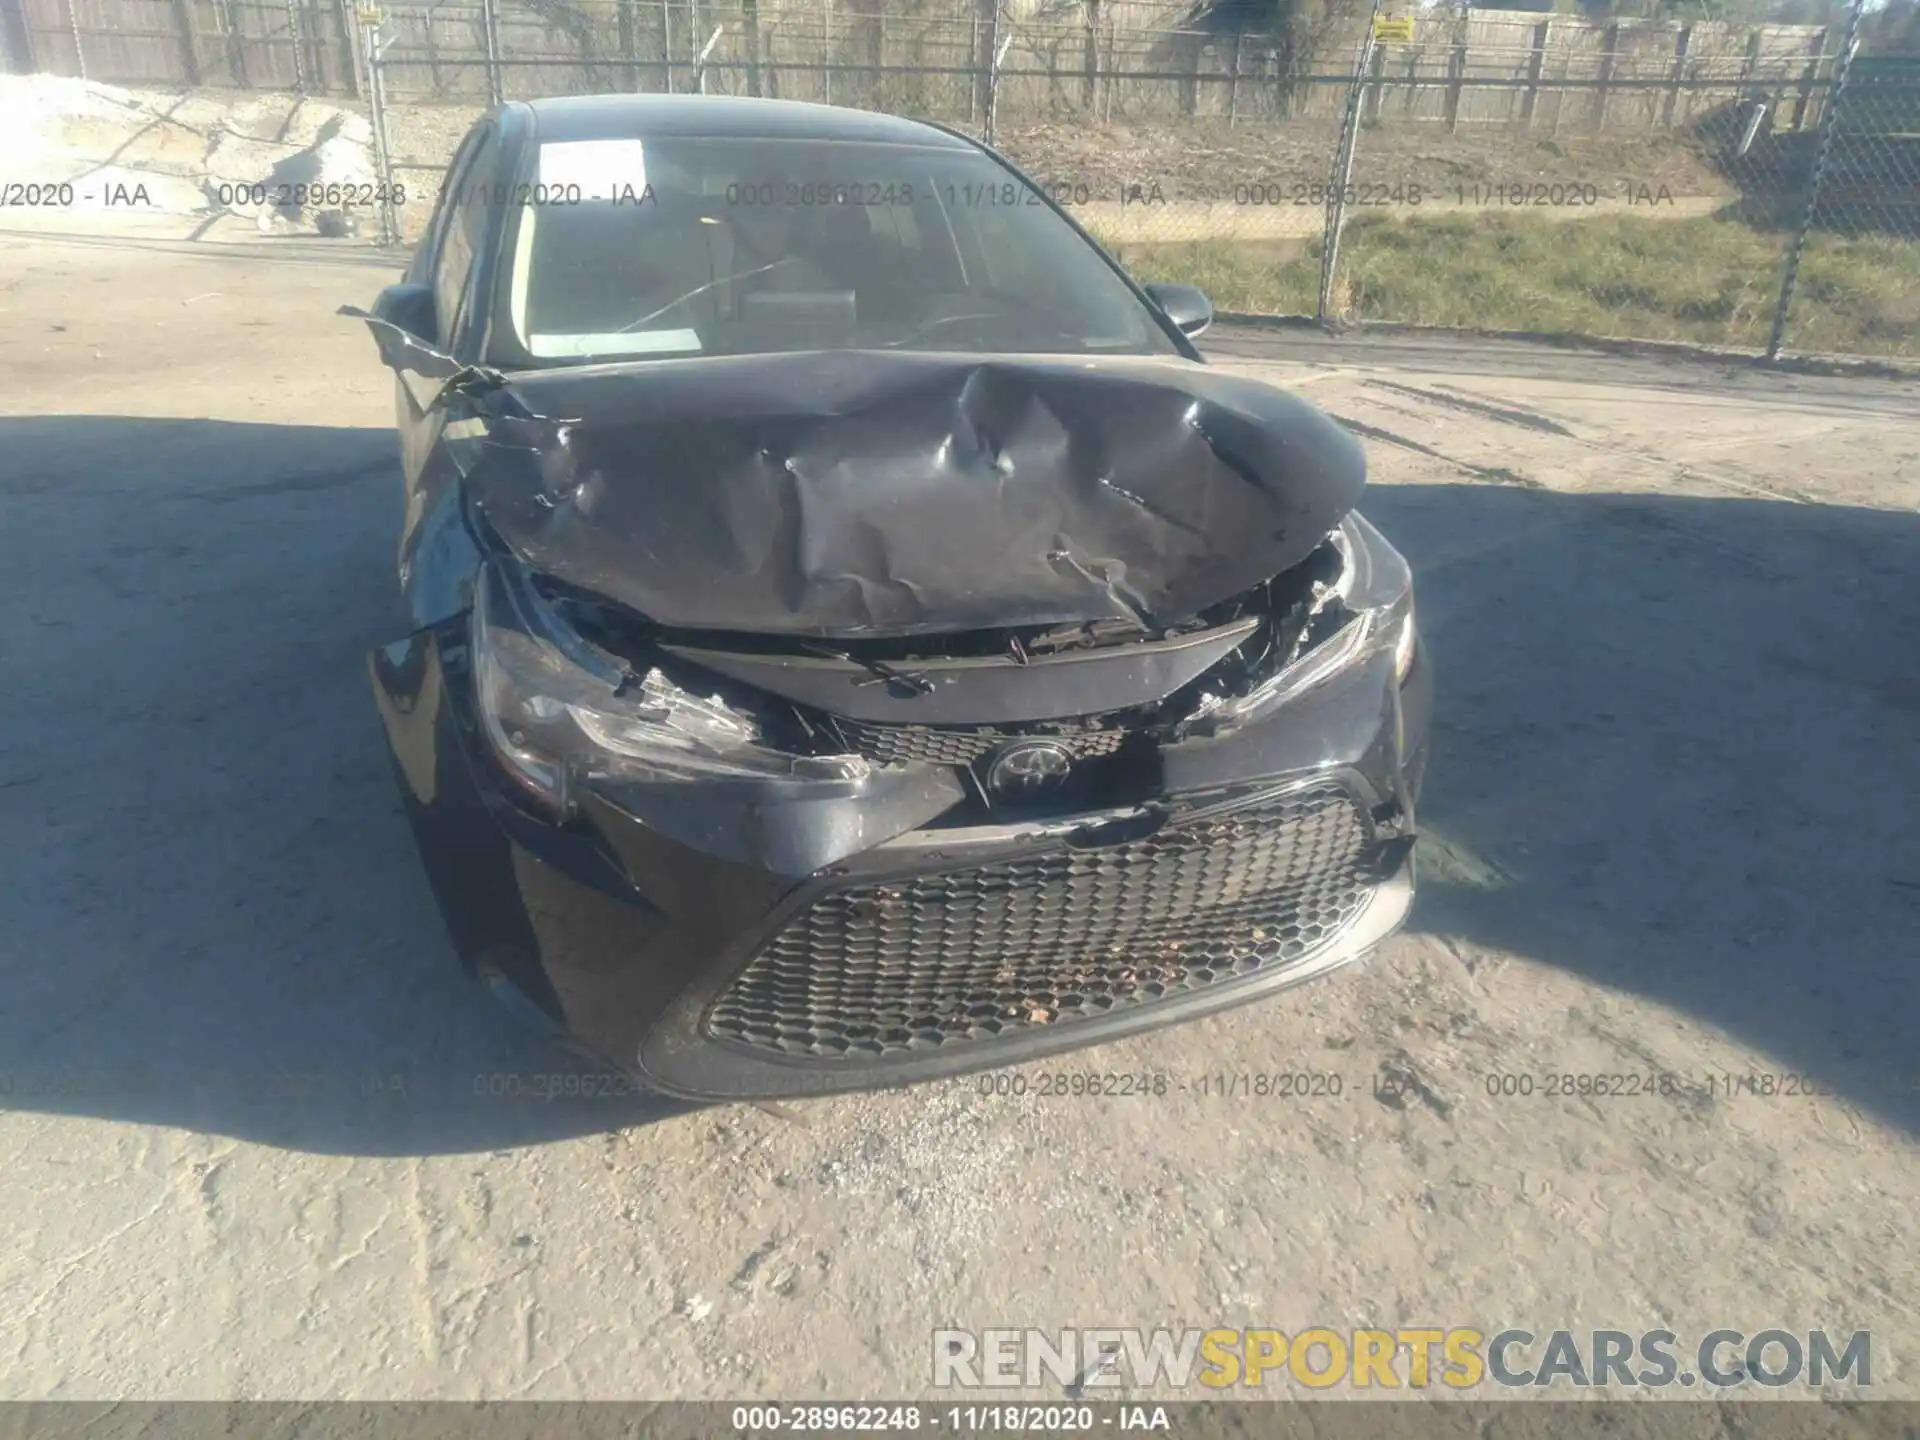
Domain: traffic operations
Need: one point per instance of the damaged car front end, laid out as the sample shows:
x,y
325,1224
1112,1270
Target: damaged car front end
x,y
784,721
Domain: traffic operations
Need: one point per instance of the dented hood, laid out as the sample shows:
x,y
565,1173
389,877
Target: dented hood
x,y
862,494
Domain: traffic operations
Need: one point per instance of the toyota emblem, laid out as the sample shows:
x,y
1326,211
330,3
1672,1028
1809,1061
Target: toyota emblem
x,y
1030,769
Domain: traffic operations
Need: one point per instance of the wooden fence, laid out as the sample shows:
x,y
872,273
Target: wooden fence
x,y
1471,68
283,45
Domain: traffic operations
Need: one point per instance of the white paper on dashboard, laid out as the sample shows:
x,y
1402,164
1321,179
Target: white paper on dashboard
x,y
603,169
618,342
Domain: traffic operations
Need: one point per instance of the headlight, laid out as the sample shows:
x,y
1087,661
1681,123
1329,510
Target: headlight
x,y
1377,587
1406,646
557,710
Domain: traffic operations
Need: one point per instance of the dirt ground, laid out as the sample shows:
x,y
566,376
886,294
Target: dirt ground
x,y
261,1138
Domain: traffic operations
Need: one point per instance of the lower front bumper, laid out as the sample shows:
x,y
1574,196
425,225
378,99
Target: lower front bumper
x,y
681,1056
713,971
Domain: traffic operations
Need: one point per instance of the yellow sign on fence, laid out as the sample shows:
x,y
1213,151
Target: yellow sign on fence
x,y
1393,28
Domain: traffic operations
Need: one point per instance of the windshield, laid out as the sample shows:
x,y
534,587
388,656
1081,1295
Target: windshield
x,y
679,247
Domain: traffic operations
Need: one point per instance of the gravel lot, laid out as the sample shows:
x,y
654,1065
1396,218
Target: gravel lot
x,y
253,1145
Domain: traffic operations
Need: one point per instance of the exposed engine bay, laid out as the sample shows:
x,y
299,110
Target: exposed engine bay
x,y
785,686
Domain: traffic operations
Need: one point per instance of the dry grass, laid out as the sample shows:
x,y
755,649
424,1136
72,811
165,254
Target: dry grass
x,y
1208,161
1709,282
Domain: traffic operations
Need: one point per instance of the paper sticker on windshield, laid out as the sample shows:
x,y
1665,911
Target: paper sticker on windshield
x,y
572,171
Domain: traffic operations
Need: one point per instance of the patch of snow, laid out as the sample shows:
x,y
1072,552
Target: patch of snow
x,y
133,154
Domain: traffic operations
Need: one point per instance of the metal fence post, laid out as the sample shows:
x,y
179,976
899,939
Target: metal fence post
x,y
1233,83
1829,113
973,75
993,53
79,50
666,42
1343,172
299,47
700,60
377,107
1376,92
490,40
750,32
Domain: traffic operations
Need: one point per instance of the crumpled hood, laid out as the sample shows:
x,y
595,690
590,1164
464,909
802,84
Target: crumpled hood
x,y
865,494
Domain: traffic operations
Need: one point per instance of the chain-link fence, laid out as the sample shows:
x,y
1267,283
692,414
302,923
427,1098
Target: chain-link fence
x,y
1747,206
1754,190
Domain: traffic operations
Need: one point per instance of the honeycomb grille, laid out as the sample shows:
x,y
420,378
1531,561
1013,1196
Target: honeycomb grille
x,y
932,745
935,960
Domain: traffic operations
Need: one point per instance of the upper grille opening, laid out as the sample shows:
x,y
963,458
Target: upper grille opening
x,y
963,745
1293,608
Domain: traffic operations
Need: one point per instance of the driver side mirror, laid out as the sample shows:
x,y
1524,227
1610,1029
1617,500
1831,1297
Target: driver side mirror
x,y
409,308
1186,306
428,373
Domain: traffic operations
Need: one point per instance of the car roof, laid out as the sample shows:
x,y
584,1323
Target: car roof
x,y
622,117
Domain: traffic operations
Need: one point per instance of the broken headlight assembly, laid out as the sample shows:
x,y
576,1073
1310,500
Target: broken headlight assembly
x,y
1367,609
558,709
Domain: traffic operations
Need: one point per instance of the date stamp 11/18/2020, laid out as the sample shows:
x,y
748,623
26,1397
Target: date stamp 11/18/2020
x,y
1395,1083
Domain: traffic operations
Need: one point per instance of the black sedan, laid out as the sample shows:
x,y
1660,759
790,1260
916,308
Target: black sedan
x,y
855,637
